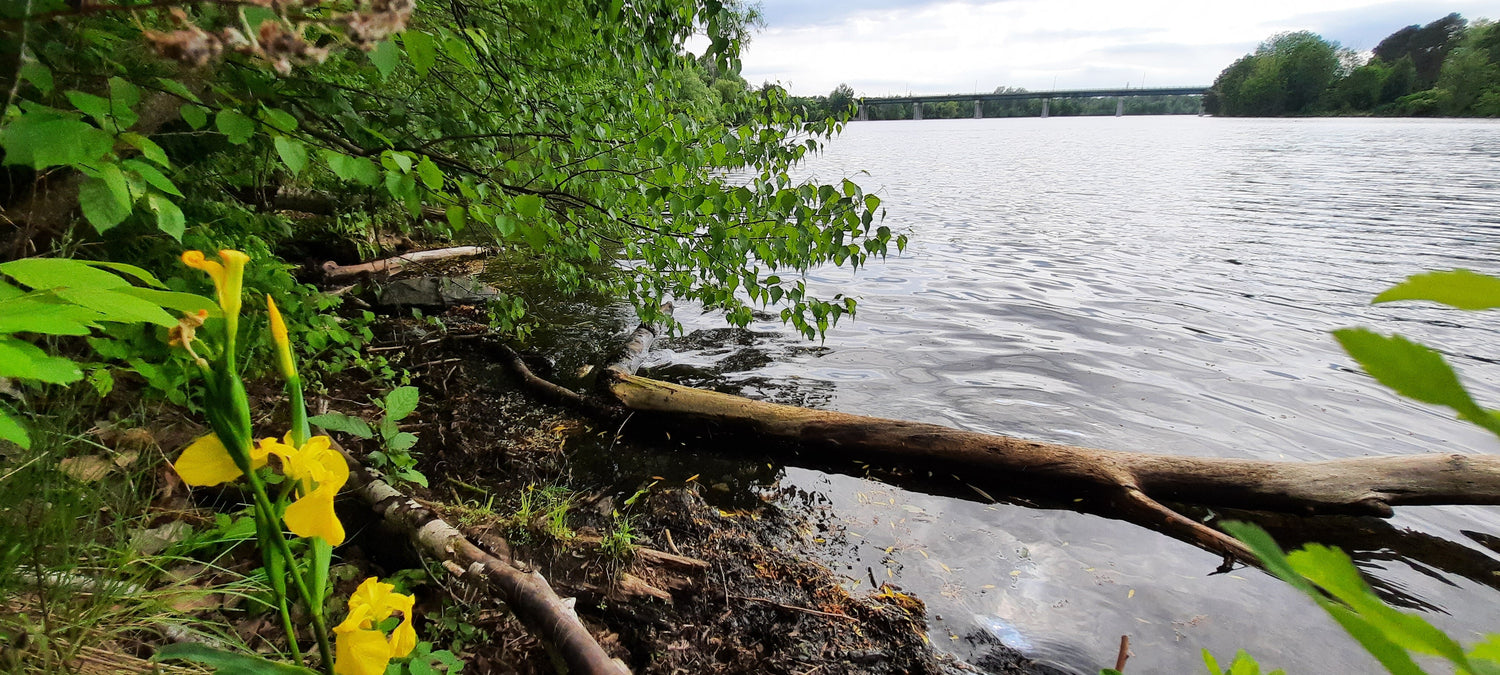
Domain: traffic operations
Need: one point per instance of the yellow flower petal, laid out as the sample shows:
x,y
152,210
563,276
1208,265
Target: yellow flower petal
x,y
197,261
359,650
372,595
228,277
283,343
313,516
404,637
207,462
234,277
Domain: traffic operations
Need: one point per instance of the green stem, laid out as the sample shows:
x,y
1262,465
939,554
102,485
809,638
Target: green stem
x,y
300,429
278,586
314,606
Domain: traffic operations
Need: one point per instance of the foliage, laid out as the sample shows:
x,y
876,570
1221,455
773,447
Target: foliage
x,y
580,132
59,297
1414,370
395,458
1447,67
1287,74
1328,577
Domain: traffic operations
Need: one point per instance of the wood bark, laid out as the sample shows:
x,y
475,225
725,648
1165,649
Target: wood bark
x,y
528,595
1138,482
333,271
1134,484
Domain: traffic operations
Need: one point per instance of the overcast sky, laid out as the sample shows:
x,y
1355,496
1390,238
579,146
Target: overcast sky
x,y
882,47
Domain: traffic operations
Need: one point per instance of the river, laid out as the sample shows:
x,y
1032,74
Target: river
x,y
1161,284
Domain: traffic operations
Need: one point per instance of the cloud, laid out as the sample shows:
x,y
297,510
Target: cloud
x,y
894,46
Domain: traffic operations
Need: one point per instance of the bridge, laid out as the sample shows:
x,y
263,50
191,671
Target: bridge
x,y
1046,96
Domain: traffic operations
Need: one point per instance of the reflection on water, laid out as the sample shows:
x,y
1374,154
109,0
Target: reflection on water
x,y
1152,284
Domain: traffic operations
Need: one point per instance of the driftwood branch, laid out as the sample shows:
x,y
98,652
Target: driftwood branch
x,y
333,271
1134,486
1136,483
528,595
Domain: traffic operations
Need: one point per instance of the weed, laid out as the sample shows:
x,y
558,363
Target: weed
x,y
619,541
395,458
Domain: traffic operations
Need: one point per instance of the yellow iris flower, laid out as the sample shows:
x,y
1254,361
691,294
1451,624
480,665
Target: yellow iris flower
x,y
282,340
228,277
361,647
320,472
207,462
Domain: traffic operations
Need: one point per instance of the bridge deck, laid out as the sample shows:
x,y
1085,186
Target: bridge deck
x,y
1021,96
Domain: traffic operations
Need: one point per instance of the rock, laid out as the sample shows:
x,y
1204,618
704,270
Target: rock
x,y
435,292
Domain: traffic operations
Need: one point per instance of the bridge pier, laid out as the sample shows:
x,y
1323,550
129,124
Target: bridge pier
x,y
916,110
1045,106
978,110
861,112
1120,106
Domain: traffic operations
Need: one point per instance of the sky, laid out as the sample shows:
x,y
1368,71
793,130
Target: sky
x,y
893,47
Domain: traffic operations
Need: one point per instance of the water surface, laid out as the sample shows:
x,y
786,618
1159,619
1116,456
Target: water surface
x,y
1161,284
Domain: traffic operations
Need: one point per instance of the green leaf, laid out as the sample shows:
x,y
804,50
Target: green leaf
x,y
195,115
334,421
182,302
401,160
421,49
279,119
47,273
38,75
227,663
1212,663
20,359
401,441
123,93
235,125
118,307
177,88
1414,371
356,169
96,107
129,270
293,153
1332,571
105,198
152,177
11,430
431,175
529,206
385,57
30,315
1460,288
168,217
149,149
457,217
1269,553
1389,654
53,142
402,401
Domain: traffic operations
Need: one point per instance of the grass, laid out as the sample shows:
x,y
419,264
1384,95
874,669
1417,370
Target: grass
x,y
85,580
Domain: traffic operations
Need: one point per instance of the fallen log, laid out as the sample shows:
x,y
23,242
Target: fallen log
x,y
333,271
1137,482
528,595
1134,485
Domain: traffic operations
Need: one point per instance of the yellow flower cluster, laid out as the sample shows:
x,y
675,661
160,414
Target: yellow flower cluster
x,y
320,472
364,649
317,472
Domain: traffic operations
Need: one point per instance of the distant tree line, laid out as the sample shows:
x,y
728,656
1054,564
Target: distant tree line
x,y
842,100
1447,67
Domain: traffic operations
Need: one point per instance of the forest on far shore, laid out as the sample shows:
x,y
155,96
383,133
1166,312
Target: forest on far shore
x,y
1450,67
